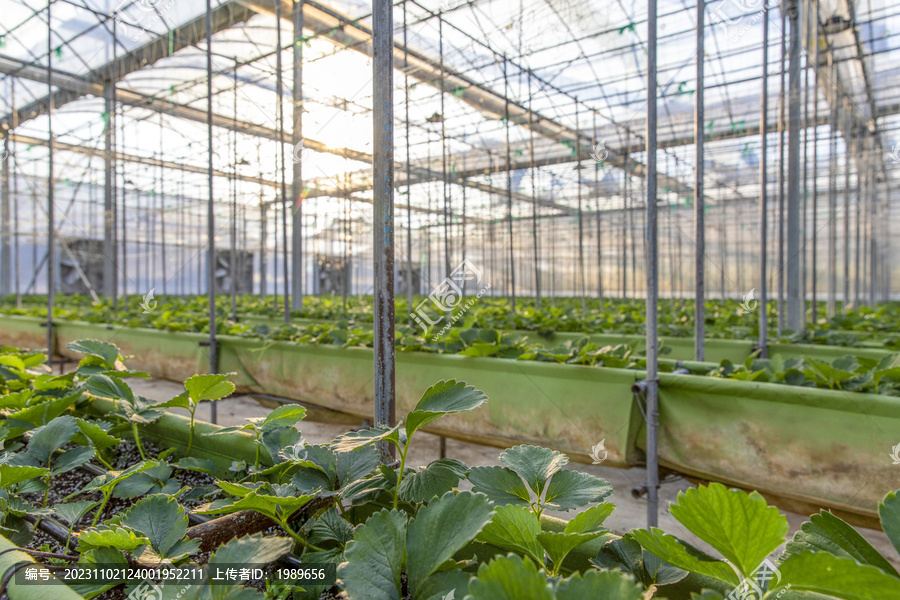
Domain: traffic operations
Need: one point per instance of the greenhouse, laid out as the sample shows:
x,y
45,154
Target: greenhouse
x,y
623,271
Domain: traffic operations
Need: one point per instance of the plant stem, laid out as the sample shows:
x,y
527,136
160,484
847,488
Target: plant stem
x,y
137,440
190,436
100,508
298,538
400,473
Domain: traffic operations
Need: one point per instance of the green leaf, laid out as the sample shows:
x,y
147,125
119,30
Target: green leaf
x,y
275,507
49,438
200,465
350,466
444,397
106,386
93,434
251,549
514,528
591,519
836,577
283,416
684,556
160,519
375,557
72,459
155,480
739,525
510,578
277,439
889,512
331,526
534,464
440,529
558,545
500,484
72,512
594,584
825,532
573,489
182,400
210,387
364,437
436,479
105,351
110,537
108,481
12,474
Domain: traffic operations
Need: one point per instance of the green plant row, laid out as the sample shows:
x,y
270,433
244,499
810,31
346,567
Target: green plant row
x,y
393,532
724,318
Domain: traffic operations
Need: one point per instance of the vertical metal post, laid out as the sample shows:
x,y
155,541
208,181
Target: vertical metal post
x,y
51,241
763,191
625,220
297,258
652,276
597,206
210,210
512,270
814,225
534,204
5,223
409,254
832,198
279,120
860,160
699,201
16,203
383,249
779,271
793,192
263,217
848,149
581,280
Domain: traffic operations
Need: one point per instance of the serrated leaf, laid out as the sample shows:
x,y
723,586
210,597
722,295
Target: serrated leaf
x,y
110,479
93,434
160,519
251,549
739,525
510,578
591,519
364,437
500,484
155,480
375,557
514,528
111,537
836,577
440,529
72,512
436,479
106,386
889,512
568,490
49,438
283,416
558,544
12,474
277,439
331,526
200,465
105,351
825,532
444,397
594,584
182,400
684,556
209,387
72,459
534,464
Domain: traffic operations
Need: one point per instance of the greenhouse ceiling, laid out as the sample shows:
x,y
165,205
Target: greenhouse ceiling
x,y
500,99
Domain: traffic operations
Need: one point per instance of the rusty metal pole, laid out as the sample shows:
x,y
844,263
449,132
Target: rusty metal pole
x,y
383,249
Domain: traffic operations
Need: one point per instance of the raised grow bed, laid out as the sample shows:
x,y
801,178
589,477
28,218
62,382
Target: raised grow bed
x,y
386,532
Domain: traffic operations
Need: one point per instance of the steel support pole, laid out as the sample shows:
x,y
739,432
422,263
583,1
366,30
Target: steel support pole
x,y
848,150
5,224
263,217
383,216
51,241
534,205
409,251
699,206
512,269
581,278
814,229
779,270
210,210
297,258
763,191
652,276
832,196
793,176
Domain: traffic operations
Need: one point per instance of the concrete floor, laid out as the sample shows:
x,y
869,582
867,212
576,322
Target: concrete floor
x,y
630,513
